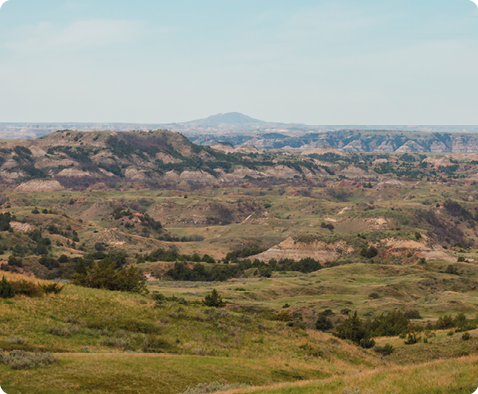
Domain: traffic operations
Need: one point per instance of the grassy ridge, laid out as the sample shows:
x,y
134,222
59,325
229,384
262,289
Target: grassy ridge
x,y
439,377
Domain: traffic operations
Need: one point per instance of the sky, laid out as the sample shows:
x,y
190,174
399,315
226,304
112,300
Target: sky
x,y
316,62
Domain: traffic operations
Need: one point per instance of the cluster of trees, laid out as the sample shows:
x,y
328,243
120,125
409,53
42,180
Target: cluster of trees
x,y
460,323
173,255
145,219
243,253
182,272
105,275
5,219
370,252
362,331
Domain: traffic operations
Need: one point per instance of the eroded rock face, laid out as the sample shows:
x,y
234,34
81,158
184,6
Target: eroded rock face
x,y
40,186
22,227
133,173
389,182
281,171
73,172
356,172
290,249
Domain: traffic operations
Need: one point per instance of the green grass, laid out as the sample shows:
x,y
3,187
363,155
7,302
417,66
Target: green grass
x,y
440,377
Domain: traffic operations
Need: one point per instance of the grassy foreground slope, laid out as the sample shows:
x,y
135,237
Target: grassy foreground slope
x,y
117,342
104,340
439,377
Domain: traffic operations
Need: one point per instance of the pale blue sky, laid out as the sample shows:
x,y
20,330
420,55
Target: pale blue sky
x,y
315,62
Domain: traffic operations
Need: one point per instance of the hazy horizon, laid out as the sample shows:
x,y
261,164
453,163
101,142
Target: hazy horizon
x,y
311,62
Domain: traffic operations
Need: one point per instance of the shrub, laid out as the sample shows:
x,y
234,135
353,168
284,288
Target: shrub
x,y
16,340
452,270
54,288
352,329
385,350
158,297
445,322
374,296
14,262
282,316
154,344
450,333
418,236
104,275
19,359
29,289
370,252
214,300
323,323
6,289
63,259
412,314
311,351
367,343
466,336
63,331
412,338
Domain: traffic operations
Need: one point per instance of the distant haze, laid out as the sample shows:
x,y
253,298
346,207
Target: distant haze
x,y
316,62
231,123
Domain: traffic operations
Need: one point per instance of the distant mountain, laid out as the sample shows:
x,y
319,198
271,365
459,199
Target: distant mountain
x,y
229,119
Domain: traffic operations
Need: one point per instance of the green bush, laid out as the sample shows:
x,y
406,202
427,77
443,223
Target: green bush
x,y
412,314
104,275
412,338
385,350
26,288
369,252
54,288
466,336
282,316
214,300
323,323
453,270
352,329
6,289
367,343
444,322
